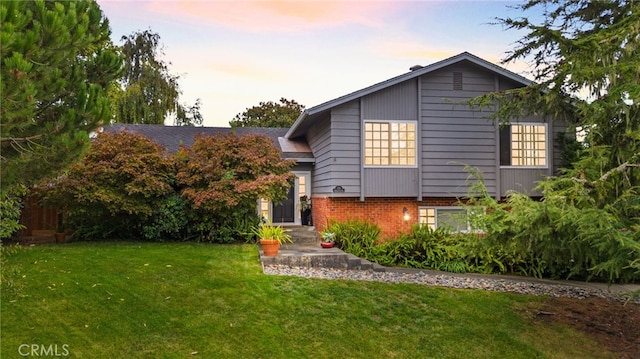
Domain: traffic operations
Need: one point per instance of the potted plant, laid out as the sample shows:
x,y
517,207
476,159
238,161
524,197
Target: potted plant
x,y
271,237
328,239
305,210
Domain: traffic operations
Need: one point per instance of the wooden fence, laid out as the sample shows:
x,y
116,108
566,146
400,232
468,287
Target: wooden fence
x,y
37,217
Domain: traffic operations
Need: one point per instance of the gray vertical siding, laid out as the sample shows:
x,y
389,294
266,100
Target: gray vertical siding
x,y
396,103
399,102
319,139
391,182
453,134
521,180
345,148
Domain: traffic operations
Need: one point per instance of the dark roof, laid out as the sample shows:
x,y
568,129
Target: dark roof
x,y
172,137
306,118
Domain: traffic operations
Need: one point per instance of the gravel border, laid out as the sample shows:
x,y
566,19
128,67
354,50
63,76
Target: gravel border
x,y
450,281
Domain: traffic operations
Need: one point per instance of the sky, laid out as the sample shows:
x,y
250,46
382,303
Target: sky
x,y
234,54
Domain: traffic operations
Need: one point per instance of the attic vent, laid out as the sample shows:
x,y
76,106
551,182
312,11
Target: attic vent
x,y
457,80
415,67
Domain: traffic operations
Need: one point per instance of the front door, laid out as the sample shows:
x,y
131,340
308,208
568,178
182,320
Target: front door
x,y
284,212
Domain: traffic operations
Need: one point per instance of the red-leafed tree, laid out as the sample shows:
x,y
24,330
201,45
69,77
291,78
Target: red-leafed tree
x,y
224,174
119,184
127,187
222,177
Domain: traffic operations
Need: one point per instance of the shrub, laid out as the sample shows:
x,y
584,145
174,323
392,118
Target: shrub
x,y
566,235
234,224
10,207
355,236
170,221
423,247
112,192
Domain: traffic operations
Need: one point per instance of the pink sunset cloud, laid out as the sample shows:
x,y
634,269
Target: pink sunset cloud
x,y
277,16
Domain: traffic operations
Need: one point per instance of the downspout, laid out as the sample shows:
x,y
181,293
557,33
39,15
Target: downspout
x,y
497,142
419,137
362,150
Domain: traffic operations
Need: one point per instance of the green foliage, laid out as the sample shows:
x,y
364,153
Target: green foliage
x,y
170,220
566,235
269,231
269,114
587,224
10,209
569,148
355,236
148,93
231,225
424,247
56,62
583,47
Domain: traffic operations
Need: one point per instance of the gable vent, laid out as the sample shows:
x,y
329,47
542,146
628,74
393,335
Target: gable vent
x,y
457,80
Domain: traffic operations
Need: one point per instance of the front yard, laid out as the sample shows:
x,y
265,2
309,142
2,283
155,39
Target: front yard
x,y
148,300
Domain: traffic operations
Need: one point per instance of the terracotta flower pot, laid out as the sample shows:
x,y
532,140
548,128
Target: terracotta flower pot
x,y
326,244
270,247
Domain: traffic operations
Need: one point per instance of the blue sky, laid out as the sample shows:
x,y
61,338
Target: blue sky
x,y
235,54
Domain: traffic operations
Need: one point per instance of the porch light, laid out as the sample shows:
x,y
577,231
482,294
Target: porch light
x,y
405,214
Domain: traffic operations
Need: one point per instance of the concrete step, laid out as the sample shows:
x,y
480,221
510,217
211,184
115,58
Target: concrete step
x,y
311,255
303,234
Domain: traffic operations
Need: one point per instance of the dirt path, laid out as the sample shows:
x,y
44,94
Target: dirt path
x,y
613,324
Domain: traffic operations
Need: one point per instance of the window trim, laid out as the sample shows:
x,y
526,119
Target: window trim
x,y
364,146
547,146
436,208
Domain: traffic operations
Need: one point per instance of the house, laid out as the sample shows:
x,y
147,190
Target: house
x,y
395,152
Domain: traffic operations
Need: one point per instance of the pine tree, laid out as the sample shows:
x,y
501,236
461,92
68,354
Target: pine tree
x,y
56,63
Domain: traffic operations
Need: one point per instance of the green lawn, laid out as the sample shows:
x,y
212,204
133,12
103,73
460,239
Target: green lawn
x,y
134,300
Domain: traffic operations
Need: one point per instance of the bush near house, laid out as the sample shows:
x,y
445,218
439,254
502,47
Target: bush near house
x,y
222,177
128,188
499,251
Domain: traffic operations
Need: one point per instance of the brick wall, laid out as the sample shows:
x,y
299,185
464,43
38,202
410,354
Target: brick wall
x,y
386,212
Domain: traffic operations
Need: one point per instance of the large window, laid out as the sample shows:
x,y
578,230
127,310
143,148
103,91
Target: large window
x,y
455,219
390,143
523,145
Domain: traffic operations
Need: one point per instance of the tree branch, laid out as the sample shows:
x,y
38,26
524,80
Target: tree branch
x,y
20,139
621,168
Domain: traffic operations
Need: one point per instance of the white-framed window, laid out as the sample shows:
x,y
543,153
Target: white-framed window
x,y
453,218
264,209
388,143
524,145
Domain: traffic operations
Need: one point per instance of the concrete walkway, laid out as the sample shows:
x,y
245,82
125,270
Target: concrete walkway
x,y
309,254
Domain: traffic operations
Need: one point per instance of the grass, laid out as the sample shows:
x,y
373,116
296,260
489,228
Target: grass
x,y
144,300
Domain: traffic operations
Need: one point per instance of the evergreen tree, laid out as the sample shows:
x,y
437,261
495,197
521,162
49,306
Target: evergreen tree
x,y
586,58
57,61
583,48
